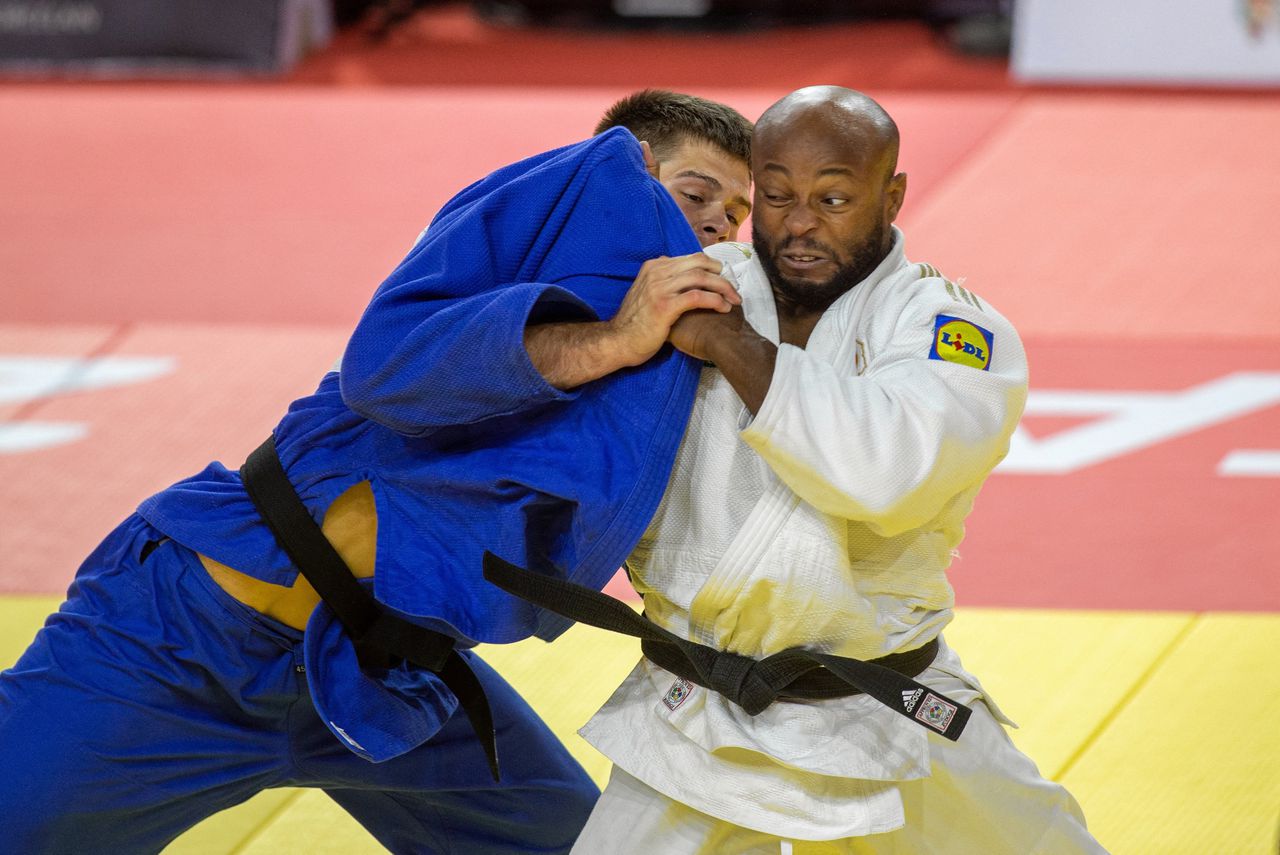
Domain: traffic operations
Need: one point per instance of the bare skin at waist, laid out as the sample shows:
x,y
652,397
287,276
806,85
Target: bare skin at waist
x,y
350,524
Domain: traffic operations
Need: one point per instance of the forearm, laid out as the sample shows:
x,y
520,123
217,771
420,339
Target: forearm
x,y
666,289
746,359
568,355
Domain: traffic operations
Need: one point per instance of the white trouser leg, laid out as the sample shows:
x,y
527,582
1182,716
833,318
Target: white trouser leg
x,y
984,796
631,818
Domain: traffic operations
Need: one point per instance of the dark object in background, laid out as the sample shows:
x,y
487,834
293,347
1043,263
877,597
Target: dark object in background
x,y
159,37
710,13
974,27
352,11
695,13
980,35
376,17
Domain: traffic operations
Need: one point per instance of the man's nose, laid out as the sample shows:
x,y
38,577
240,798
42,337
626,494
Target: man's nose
x,y
799,220
714,228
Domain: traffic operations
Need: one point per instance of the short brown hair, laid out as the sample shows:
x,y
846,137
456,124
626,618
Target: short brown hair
x,y
666,120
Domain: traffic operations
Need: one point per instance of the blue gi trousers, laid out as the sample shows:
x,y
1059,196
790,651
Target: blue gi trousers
x,y
153,699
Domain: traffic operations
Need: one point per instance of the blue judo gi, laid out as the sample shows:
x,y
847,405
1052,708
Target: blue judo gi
x,y
153,698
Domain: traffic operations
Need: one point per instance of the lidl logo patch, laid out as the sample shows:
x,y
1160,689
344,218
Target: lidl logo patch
x,y
961,342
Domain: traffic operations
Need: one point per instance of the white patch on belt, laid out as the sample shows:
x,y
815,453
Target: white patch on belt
x,y
936,712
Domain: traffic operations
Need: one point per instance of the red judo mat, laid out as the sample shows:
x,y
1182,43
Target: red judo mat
x,y
179,262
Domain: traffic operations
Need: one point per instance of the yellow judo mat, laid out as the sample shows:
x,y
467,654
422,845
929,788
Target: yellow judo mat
x,y
1166,726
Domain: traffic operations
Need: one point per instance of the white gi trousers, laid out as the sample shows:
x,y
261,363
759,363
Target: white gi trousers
x,y
983,797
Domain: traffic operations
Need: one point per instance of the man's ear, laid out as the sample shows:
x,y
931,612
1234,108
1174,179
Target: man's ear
x,y
650,162
895,194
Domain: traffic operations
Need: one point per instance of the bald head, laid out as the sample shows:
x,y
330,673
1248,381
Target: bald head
x,y
840,116
827,191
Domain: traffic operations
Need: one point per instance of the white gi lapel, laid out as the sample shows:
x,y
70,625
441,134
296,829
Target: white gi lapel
x,y
721,589
717,615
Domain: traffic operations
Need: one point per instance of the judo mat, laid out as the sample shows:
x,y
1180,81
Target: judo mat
x,y
179,261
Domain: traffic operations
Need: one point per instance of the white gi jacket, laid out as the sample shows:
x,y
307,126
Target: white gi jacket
x,y
826,522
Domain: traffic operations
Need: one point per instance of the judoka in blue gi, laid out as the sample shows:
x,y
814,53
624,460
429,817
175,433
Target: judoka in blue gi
x,y
157,696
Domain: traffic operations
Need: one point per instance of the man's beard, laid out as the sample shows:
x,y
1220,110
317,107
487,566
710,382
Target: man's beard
x,y
863,258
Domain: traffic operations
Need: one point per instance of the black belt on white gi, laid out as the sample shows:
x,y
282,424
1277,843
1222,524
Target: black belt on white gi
x,y
752,684
381,640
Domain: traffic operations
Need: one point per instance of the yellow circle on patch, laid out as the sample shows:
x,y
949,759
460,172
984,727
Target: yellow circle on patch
x,y
962,343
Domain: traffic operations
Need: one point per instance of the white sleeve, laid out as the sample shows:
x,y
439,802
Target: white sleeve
x,y
892,447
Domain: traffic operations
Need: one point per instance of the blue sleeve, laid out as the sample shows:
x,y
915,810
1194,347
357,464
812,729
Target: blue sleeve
x,y
415,364
556,237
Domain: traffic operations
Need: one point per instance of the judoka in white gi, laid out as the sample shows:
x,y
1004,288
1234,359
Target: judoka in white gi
x,y
856,403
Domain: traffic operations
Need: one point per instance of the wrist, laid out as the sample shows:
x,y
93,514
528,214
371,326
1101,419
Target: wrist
x,y
746,359
743,345
618,346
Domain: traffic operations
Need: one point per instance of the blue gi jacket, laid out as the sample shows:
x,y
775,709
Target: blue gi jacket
x,y
466,446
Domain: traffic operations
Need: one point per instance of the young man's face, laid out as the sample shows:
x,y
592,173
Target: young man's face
x,y
711,187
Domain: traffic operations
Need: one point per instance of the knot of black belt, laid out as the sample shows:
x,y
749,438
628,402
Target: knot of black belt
x,y
742,680
753,684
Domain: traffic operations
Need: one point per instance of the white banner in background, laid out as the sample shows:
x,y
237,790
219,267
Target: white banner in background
x,y
1174,42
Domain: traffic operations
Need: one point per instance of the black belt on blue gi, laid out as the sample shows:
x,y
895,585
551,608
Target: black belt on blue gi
x,y
381,640
752,684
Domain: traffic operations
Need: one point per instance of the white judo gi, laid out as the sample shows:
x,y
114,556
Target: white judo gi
x,y
828,521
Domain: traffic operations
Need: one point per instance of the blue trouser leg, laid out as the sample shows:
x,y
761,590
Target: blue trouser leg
x,y
540,806
115,732
151,699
